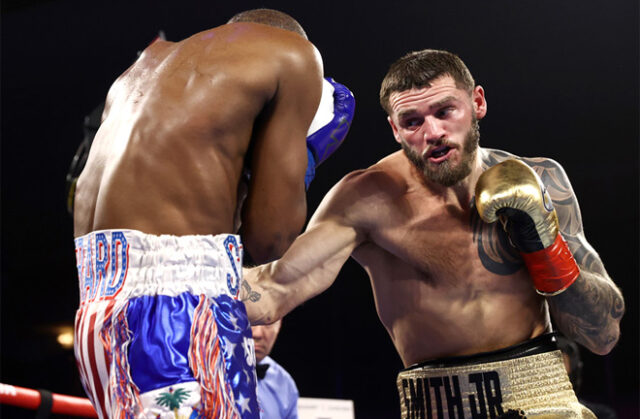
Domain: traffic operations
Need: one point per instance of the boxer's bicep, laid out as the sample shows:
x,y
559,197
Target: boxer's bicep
x,y
307,269
313,261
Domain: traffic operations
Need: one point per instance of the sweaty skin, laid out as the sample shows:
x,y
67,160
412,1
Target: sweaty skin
x,y
182,123
445,283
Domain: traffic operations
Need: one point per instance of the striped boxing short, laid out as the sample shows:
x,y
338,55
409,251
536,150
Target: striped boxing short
x,y
160,332
527,380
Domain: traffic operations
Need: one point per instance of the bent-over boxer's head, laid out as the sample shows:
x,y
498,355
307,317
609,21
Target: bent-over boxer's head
x,y
270,17
434,107
264,338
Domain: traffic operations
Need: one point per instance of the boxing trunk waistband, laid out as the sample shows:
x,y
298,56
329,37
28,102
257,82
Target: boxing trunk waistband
x,y
124,264
527,379
160,332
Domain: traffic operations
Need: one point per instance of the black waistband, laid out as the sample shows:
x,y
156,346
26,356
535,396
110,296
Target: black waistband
x,y
541,344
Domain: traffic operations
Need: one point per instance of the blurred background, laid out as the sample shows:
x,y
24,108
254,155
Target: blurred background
x,y
561,81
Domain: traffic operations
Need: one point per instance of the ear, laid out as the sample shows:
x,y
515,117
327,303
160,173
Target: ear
x,y
394,129
479,102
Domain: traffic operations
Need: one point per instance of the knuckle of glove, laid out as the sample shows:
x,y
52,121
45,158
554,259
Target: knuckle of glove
x,y
344,100
513,184
332,121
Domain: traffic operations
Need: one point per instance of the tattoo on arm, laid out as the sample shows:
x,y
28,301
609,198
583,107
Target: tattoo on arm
x,y
585,312
585,256
589,311
495,251
251,295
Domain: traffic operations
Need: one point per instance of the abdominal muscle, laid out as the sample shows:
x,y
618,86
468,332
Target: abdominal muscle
x,y
465,312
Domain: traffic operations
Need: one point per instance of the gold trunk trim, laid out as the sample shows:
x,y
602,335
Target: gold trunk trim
x,y
535,386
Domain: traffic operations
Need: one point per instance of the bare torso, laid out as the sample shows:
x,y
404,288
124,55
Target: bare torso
x,y
444,282
178,125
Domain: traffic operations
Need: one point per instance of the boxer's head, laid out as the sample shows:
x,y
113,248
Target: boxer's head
x,y
270,17
264,337
434,107
418,69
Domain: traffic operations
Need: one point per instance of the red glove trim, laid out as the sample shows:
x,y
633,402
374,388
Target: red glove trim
x,y
552,269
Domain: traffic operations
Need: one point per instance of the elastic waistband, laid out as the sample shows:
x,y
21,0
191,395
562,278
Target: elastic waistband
x,y
541,344
528,377
130,263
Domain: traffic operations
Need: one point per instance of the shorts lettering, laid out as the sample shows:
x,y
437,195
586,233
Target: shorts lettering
x,y
234,252
102,265
120,257
433,397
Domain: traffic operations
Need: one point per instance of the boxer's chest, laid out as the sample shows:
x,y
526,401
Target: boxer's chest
x,y
446,243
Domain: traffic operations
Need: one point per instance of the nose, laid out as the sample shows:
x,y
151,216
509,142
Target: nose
x,y
256,332
432,130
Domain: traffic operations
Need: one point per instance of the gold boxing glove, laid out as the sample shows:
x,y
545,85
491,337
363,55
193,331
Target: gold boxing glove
x,y
512,192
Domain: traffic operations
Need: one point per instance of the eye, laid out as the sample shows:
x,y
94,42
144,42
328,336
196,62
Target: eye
x,y
444,112
412,122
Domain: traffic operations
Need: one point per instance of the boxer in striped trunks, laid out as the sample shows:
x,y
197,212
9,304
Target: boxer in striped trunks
x,y
160,329
203,142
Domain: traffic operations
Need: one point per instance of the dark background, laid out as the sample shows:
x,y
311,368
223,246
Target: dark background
x,y
561,81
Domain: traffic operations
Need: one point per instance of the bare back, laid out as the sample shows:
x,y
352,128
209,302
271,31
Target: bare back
x,y
445,283
181,123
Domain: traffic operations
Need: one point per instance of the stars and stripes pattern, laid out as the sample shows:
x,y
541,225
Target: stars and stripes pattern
x,y
220,345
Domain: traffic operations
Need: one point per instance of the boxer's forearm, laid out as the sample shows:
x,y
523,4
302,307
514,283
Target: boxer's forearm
x,y
308,268
589,312
260,295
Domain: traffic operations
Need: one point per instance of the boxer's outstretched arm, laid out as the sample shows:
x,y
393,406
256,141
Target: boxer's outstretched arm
x,y
310,265
589,311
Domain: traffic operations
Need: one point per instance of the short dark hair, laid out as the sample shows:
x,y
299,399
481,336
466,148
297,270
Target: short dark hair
x,y
418,69
270,17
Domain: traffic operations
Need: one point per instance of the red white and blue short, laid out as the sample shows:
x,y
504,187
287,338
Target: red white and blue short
x,y
160,332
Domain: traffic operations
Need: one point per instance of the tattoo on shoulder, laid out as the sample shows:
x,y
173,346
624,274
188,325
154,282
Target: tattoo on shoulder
x,y
559,188
494,249
251,295
491,157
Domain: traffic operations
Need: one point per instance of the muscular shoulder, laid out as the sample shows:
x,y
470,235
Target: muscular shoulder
x,y
383,181
551,173
362,196
548,169
288,48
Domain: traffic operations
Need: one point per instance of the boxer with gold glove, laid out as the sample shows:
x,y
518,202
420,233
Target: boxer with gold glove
x,y
513,193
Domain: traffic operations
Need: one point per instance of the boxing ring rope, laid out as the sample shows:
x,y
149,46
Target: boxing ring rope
x,y
43,400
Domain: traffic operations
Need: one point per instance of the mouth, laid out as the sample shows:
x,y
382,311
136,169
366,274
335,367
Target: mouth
x,y
438,154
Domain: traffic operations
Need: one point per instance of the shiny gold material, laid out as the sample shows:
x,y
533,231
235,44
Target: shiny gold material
x,y
537,386
515,185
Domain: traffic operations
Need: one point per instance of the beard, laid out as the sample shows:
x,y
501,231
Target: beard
x,y
446,173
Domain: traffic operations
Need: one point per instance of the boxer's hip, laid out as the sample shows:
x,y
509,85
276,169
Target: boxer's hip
x,y
523,380
124,264
160,315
